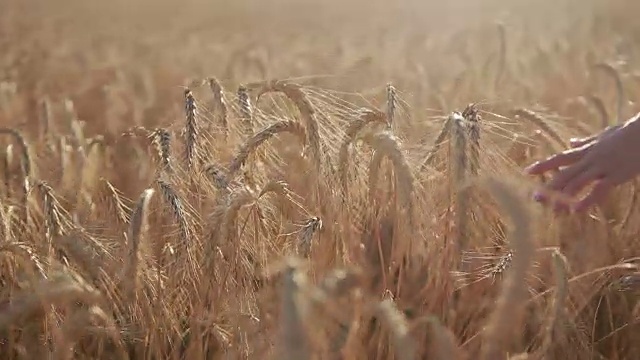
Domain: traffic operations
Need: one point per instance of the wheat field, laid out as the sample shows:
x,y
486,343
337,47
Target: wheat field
x,y
311,180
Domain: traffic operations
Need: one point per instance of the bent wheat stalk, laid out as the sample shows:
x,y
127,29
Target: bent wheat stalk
x,y
600,108
620,97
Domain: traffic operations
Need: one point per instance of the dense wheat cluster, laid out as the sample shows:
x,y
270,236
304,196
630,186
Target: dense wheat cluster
x,y
310,180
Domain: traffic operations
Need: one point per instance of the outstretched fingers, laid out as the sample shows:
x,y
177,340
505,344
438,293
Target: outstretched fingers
x,y
554,162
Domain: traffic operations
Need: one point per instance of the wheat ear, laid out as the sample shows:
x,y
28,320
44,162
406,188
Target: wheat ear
x,y
217,176
246,111
392,104
537,120
55,291
502,55
405,346
440,139
445,342
473,119
560,263
136,234
46,117
388,146
506,316
220,103
191,128
170,195
295,93
458,147
364,117
260,137
162,142
53,216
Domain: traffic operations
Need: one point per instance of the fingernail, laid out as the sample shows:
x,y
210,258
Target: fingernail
x,y
537,196
529,168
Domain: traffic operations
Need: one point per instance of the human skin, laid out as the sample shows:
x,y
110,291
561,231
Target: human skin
x,y
606,160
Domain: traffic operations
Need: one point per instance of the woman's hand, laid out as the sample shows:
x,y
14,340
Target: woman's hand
x,y
607,159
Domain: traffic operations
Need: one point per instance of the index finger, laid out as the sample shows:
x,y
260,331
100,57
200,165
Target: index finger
x,y
564,158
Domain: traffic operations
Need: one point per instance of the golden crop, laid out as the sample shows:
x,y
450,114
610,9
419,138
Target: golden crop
x,y
310,180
